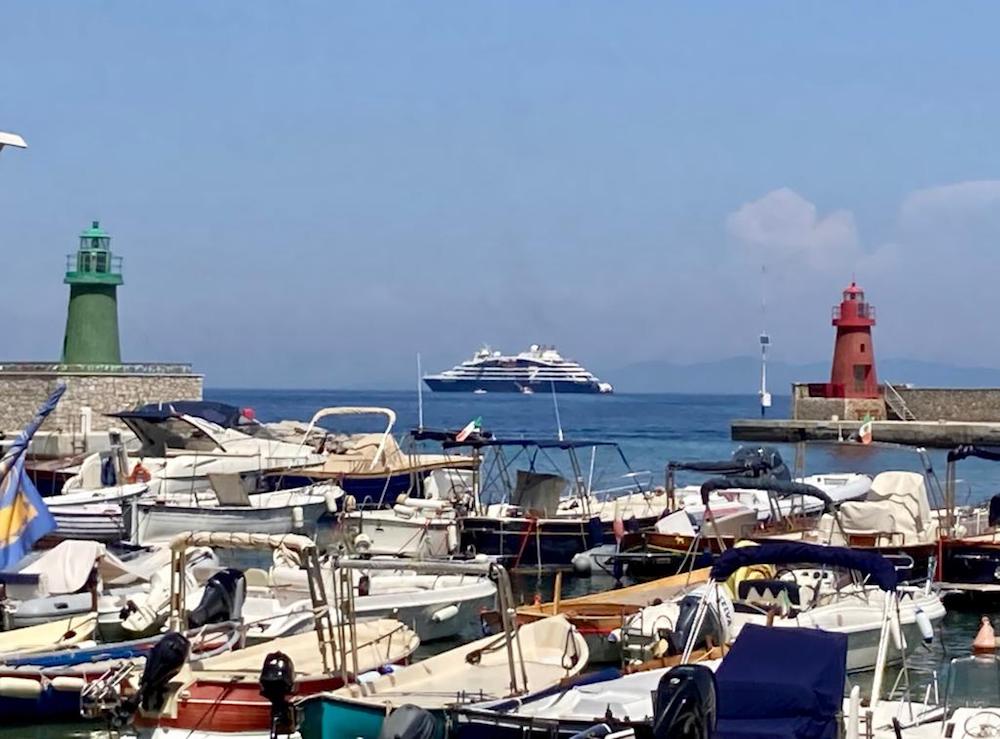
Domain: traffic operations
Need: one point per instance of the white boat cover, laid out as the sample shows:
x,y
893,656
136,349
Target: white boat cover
x,y
65,568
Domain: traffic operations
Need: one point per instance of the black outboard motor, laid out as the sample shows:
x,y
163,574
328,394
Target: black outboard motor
x,y
710,625
222,601
277,680
684,706
165,660
409,722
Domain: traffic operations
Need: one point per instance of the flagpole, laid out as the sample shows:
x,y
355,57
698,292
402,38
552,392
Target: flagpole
x,y
555,403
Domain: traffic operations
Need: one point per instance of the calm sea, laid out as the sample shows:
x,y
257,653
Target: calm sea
x,y
651,429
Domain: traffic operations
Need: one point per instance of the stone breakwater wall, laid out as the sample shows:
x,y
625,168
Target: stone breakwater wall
x,y
23,387
952,404
969,405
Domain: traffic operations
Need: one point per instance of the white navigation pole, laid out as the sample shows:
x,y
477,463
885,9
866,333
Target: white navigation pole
x,y
11,139
420,395
765,342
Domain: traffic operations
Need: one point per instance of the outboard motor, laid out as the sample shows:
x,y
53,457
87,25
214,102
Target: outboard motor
x,y
277,680
684,705
409,722
165,660
710,625
222,601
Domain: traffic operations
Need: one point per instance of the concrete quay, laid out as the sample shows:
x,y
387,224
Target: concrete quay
x,y
938,434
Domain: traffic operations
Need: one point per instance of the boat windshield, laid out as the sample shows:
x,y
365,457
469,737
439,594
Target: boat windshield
x,y
157,435
973,682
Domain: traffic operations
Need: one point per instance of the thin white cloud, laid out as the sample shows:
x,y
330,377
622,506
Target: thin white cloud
x,y
784,227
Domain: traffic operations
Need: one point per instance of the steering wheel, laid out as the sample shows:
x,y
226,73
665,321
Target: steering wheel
x,y
982,725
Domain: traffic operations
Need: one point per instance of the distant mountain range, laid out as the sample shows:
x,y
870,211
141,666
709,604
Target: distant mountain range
x,y
741,375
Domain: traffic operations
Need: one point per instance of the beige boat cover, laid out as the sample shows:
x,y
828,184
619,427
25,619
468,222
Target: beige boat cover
x,y
897,504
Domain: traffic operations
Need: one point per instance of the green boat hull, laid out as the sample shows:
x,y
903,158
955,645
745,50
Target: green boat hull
x,y
329,718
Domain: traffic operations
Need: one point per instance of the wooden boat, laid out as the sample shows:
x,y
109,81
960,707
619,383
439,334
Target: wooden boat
x,y
51,635
248,691
599,617
529,658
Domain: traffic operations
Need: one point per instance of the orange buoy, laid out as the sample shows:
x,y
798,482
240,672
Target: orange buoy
x,y
986,640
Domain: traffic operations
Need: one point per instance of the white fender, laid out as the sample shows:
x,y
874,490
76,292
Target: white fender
x,y
331,498
68,684
614,636
444,614
20,687
898,640
298,517
452,531
924,624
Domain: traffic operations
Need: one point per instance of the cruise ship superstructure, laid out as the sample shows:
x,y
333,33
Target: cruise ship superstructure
x,y
540,369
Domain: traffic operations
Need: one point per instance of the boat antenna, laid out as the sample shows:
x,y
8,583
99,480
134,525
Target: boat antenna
x,y
765,342
420,395
555,404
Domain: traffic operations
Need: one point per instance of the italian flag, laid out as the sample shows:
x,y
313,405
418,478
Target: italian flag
x,y
472,426
865,431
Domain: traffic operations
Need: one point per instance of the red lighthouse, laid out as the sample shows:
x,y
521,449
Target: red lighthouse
x,y
853,371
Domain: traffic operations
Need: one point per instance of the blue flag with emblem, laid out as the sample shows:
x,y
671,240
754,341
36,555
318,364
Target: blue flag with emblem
x,y
24,517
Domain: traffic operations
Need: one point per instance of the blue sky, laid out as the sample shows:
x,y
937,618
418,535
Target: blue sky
x,y
306,194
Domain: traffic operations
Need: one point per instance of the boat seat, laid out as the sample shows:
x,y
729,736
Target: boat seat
x,y
769,593
229,489
256,577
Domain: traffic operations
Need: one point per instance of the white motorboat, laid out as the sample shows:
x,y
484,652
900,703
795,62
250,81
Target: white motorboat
x,y
789,585
435,606
421,527
179,450
226,507
77,578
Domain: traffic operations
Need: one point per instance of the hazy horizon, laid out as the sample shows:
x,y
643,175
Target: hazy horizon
x,y
308,195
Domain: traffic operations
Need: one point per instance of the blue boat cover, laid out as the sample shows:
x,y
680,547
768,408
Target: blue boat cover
x,y
877,567
782,683
779,487
989,453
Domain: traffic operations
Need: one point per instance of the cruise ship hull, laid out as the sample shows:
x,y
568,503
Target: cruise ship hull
x,y
496,385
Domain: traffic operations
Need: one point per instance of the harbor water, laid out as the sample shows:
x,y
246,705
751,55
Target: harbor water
x,y
651,429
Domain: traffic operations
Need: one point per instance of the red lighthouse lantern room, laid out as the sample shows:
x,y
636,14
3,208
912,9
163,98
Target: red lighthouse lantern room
x,y
853,371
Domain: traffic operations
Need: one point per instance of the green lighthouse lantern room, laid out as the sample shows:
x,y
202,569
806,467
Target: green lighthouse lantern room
x,y
93,275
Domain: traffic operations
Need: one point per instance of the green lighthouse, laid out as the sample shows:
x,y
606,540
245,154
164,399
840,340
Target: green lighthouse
x,y
93,275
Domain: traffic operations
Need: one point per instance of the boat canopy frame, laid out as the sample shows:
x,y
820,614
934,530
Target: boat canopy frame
x,y
350,410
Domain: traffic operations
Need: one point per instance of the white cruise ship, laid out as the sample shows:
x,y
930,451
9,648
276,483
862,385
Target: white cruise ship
x,y
540,369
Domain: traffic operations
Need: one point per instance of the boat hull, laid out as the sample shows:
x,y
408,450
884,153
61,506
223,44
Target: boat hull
x,y
158,523
527,542
329,718
492,385
393,535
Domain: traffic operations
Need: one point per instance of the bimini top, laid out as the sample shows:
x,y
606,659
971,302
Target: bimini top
x,y
221,414
745,462
877,567
425,434
989,453
779,487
